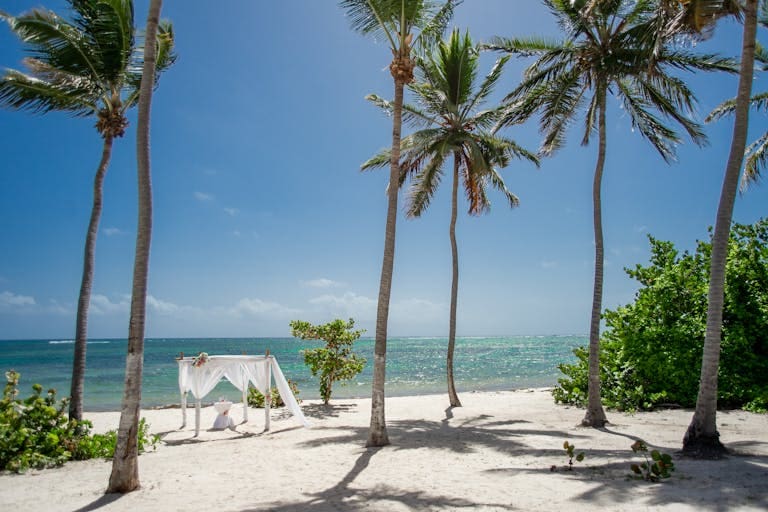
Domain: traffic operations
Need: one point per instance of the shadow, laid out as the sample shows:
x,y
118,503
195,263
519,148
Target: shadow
x,y
712,485
197,440
606,430
103,501
449,434
341,497
732,483
321,411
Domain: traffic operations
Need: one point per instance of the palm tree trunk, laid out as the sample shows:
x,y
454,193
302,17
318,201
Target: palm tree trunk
x,y
452,396
702,438
377,433
595,415
81,328
125,465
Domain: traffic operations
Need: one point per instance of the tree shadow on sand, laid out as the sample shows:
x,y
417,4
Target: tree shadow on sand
x,y
739,481
341,497
449,434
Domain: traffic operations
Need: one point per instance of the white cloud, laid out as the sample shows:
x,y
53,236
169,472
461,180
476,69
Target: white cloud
x,y
161,306
322,282
102,305
112,231
641,229
9,300
202,196
348,305
548,264
255,307
415,309
232,211
237,233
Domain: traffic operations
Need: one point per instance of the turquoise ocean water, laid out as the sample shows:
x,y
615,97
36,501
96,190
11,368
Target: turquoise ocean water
x,y
415,366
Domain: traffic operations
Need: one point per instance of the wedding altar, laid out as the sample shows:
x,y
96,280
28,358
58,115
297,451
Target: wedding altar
x,y
199,375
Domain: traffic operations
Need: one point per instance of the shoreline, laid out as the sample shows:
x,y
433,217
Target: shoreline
x,y
495,453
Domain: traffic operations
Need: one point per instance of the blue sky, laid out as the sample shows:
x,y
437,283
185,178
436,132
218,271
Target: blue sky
x,y
262,216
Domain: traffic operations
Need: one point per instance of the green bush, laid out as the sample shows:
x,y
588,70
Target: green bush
x,y
651,350
335,362
256,398
36,432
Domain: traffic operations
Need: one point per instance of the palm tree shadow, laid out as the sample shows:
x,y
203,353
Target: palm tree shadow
x,y
102,501
340,497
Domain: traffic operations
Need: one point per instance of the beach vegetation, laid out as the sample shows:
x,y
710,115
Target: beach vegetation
x,y
570,452
453,124
36,433
606,52
335,362
408,27
652,348
655,466
87,66
257,399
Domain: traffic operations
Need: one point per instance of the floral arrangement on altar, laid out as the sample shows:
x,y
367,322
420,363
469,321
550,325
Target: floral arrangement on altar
x,y
200,360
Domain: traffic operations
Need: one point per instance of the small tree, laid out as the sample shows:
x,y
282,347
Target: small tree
x,y
335,361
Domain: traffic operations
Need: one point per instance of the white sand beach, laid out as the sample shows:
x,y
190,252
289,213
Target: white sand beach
x,y
495,453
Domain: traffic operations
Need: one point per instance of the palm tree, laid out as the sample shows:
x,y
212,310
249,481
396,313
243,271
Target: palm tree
x,y
394,21
756,154
125,469
453,126
89,67
702,438
603,55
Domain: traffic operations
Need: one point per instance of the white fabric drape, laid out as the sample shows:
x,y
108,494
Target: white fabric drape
x,y
240,371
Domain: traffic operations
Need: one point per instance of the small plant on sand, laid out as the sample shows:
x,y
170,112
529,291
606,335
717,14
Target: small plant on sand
x,y
570,452
334,362
653,469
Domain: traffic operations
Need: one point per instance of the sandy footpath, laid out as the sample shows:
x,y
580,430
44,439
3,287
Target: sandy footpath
x,y
495,453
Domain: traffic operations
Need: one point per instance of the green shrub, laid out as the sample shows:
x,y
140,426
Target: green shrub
x,y
36,432
335,362
256,398
651,351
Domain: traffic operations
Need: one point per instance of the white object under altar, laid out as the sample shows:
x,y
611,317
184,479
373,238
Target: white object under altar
x,y
240,371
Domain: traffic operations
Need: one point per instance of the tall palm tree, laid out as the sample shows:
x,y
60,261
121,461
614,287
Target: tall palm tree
x,y
603,54
453,125
125,469
702,438
89,67
406,25
756,154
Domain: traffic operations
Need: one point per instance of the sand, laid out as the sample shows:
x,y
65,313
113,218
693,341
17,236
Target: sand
x,y
495,453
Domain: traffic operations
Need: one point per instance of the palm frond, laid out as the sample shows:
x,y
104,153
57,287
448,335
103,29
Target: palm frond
x,y
411,115
498,183
590,119
758,101
53,40
23,92
670,100
756,156
558,109
435,27
761,56
377,18
662,138
425,183
689,61
379,160
486,87
528,47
